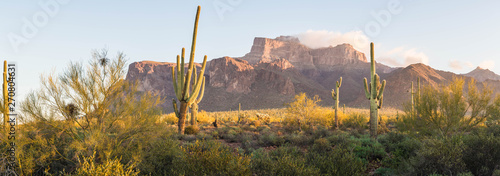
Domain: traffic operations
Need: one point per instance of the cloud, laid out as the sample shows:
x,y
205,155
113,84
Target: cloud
x,y
487,64
458,65
323,38
399,56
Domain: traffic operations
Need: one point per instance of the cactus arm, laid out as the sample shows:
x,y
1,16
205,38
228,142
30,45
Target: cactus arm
x,y
195,77
176,111
182,74
380,102
202,92
199,81
333,94
381,91
367,91
174,81
197,89
339,83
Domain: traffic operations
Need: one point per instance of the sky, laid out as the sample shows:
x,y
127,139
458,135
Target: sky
x,y
44,36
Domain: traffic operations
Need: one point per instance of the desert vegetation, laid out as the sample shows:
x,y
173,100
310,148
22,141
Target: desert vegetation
x,y
88,120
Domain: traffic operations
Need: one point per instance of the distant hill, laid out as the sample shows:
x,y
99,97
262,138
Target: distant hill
x,y
276,69
481,74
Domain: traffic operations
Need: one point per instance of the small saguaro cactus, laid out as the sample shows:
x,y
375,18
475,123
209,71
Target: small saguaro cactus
x,y
194,105
182,81
335,96
5,107
375,93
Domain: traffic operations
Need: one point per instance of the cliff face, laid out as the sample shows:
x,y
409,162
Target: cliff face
x,y
276,69
302,57
234,75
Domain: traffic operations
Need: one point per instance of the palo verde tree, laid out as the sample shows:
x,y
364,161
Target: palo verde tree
x,y
182,81
449,109
335,96
94,106
375,93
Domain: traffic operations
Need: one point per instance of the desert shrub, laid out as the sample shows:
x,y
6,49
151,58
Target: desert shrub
x,y
334,161
299,139
110,167
256,123
270,139
369,149
204,136
321,145
400,148
282,161
482,154
321,131
159,155
493,112
210,158
204,118
356,120
191,129
448,109
301,112
440,156
169,118
344,141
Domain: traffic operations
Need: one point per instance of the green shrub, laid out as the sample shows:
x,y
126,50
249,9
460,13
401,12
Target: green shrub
x,y
356,121
343,140
482,154
440,156
281,162
334,161
210,158
369,149
159,155
299,139
191,129
270,139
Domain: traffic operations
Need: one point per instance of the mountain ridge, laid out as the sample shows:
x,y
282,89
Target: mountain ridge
x,y
276,69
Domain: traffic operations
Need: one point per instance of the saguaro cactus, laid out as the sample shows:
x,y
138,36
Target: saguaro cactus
x,y
194,105
5,106
335,96
182,81
375,93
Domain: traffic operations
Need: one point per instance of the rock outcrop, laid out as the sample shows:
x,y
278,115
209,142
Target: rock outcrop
x,y
302,57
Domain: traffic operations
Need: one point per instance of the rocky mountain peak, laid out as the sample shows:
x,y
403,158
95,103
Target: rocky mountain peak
x,y
481,74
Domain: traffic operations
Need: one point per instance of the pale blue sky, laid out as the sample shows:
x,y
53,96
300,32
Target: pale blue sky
x,y
435,32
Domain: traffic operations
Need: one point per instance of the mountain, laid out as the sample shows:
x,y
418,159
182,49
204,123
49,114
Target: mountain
x,y
276,69
481,74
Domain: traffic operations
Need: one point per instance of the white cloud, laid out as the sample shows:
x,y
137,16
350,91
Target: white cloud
x,y
459,65
324,38
487,64
399,56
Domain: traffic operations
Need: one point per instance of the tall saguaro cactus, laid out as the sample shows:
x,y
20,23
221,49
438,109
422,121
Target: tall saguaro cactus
x,y
375,93
182,81
5,106
335,96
